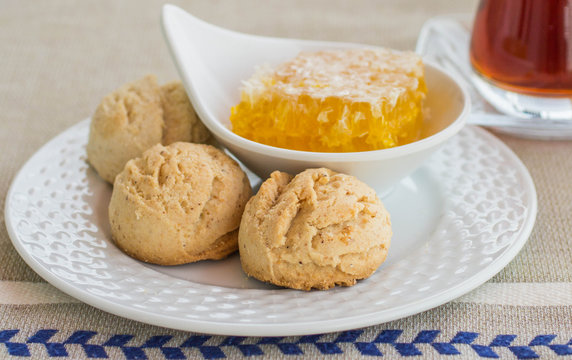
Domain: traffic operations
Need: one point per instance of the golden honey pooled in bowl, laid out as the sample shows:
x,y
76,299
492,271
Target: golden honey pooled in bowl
x,y
334,101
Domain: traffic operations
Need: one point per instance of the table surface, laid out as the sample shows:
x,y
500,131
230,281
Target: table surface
x,y
59,58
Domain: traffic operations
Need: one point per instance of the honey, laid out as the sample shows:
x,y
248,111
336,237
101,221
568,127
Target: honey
x,y
334,101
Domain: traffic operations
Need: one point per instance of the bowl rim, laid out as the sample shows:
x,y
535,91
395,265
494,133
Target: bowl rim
x,y
228,138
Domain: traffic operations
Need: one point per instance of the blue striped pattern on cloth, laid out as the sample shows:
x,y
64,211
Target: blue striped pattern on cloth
x,y
462,344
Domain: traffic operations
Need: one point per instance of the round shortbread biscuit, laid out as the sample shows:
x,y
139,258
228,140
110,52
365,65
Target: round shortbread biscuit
x,y
137,116
127,122
316,230
178,204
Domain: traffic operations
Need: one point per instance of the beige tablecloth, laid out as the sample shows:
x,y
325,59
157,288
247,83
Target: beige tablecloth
x,y
57,60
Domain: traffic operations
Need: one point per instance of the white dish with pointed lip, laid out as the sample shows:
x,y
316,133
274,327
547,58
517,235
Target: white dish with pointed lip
x,y
213,61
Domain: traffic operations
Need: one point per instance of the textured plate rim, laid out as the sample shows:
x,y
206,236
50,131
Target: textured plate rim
x,y
300,327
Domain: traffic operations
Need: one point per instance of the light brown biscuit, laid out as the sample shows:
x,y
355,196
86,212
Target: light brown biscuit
x,y
181,121
178,204
137,116
317,230
127,122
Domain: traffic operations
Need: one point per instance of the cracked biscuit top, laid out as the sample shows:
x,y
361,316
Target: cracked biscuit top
x,y
316,230
178,203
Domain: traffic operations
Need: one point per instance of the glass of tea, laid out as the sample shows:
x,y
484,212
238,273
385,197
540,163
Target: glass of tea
x,y
521,51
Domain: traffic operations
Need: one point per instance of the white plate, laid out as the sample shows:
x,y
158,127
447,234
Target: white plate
x,y
457,221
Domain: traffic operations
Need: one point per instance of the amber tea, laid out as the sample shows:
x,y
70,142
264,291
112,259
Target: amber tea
x,y
525,46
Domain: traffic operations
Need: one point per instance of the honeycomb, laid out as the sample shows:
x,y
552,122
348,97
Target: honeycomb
x,y
334,101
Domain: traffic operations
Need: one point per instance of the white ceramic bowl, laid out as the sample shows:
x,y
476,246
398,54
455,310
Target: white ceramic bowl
x,y
213,61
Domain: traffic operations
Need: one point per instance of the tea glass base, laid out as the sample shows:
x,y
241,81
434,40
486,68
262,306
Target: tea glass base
x,y
526,106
